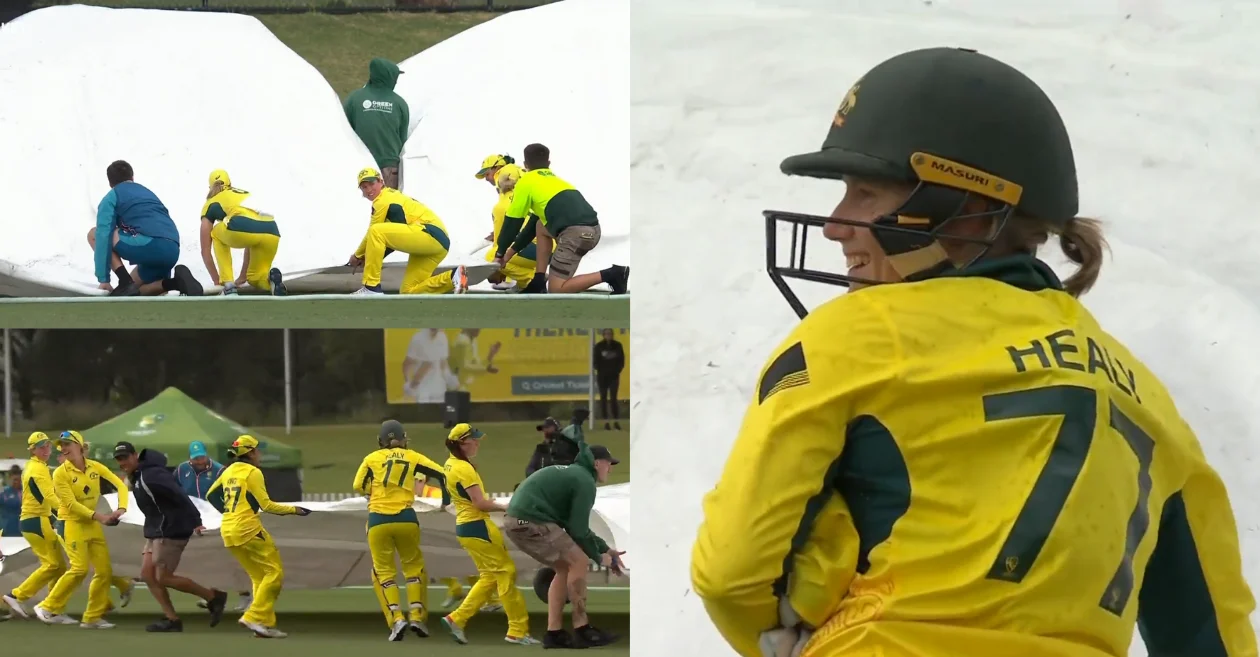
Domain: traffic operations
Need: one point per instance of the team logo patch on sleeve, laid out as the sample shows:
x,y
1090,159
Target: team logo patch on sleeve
x,y
787,371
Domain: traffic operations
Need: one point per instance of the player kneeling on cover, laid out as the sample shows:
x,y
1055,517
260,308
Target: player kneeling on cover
x,y
77,482
401,223
479,536
954,458
170,520
389,477
133,225
226,224
559,217
502,174
549,518
240,494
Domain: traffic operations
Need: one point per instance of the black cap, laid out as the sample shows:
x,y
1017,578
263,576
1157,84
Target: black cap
x,y
549,422
124,448
391,430
601,453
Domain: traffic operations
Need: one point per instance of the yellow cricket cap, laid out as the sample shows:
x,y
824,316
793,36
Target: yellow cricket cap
x,y
243,444
369,175
71,437
464,430
37,439
220,176
491,162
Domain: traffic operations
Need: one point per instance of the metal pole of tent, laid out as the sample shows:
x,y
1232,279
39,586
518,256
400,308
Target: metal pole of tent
x,y
288,385
8,385
590,361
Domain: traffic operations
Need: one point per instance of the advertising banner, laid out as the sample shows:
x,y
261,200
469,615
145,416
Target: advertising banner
x,y
494,365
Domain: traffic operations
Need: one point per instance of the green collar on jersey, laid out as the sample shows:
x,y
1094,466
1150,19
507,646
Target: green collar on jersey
x,y
1023,271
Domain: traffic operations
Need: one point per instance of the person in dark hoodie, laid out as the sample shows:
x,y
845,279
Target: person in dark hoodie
x,y
548,518
381,118
170,520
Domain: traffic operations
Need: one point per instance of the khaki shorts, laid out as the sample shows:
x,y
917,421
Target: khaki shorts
x,y
390,177
166,552
546,542
571,244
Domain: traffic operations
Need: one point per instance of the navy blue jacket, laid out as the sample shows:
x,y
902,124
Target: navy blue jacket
x,y
168,511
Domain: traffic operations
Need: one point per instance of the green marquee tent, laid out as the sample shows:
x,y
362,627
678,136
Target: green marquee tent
x,y
172,420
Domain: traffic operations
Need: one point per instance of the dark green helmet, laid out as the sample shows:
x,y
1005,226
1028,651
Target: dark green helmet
x,y
959,124
391,434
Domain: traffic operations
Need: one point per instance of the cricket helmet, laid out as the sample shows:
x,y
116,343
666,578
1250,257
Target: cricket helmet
x,y
391,432
542,583
959,126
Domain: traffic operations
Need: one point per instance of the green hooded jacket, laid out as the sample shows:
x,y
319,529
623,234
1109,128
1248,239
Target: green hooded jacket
x,y
378,115
564,495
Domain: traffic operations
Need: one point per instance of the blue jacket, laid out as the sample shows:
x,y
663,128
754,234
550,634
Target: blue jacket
x,y
194,483
168,511
10,511
133,210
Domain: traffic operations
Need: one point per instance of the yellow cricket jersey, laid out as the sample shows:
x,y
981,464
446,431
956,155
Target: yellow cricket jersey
x,y
38,493
543,196
79,491
240,494
395,207
460,476
388,476
530,252
970,465
228,206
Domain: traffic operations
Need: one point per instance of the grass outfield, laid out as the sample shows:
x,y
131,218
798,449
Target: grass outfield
x,y
335,622
332,453
341,46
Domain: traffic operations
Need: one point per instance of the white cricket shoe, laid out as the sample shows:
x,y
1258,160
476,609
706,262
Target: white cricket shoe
x,y
399,630
16,606
491,607
53,619
363,291
262,631
419,628
456,631
100,624
526,640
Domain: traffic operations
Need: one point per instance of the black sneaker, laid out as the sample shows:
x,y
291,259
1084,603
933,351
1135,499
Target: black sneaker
x,y
560,639
607,427
186,283
590,636
126,290
166,625
216,605
277,283
617,426
619,279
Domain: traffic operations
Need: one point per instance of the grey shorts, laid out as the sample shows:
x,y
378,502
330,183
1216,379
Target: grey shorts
x,y
166,552
571,245
546,542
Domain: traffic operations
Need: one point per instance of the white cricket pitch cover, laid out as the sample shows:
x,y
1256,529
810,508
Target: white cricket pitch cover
x,y
202,91
556,75
197,92
723,90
